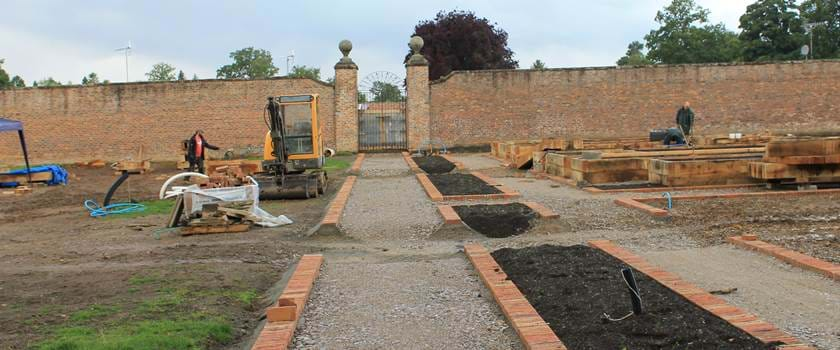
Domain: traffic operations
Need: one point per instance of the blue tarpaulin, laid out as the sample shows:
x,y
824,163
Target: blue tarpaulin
x,y
59,174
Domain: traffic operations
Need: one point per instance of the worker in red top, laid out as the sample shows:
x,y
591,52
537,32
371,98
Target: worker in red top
x,y
196,150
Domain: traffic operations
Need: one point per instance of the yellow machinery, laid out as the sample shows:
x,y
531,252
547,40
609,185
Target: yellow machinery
x,y
294,153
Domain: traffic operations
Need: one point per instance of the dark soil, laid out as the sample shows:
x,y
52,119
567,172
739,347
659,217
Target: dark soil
x,y
497,220
571,288
461,184
434,164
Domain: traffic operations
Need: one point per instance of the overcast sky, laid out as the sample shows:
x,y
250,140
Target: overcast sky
x,y
68,39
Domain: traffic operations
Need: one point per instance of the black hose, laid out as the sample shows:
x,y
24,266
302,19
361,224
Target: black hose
x,y
114,187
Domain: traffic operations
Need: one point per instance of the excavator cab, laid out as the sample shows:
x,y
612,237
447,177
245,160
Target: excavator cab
x,y
294,152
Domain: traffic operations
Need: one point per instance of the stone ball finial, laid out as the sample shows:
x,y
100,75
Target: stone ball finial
x,y
416,44
416,59
345,46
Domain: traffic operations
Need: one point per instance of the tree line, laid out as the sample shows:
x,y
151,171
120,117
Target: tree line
x,y
770,30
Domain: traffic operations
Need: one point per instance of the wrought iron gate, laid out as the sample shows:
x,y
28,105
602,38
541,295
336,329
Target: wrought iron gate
x,y
382,119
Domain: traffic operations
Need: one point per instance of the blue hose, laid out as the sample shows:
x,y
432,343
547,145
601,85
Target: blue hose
x,y
116,208
670,202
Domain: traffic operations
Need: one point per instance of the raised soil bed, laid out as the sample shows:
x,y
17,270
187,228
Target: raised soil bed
x,y
461,184
497,220
434,164
572,287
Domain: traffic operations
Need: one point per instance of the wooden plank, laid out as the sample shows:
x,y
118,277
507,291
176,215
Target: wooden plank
x,y
782,148
684,152
43,176
199,230
807,173
700,172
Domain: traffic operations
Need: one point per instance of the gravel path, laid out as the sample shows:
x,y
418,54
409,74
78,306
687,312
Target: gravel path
x,y
425,304
389,208
397,289
384,164
800,302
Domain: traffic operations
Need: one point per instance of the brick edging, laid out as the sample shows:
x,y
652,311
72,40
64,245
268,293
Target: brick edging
x,y
333,215
282,316
743,320
794,258
528,324
411,164
640,203
451,217
357,164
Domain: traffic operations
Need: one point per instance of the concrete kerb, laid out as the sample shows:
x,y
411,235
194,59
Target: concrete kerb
x,y
747,322
528,324
329,224
641,203
283,315
794,258
435,195
450,216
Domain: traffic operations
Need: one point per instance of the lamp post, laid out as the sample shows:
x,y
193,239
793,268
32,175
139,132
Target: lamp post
x,y
127,51
809,28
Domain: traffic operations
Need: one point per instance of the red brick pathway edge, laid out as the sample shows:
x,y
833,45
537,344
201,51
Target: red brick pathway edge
x,y
282,317
794,258
435,195
450,216
357,164
747,322
337,206
411,164
640,203
534,333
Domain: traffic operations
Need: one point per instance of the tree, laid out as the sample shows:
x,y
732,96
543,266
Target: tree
x,y
305,72
634,55
361,98
161,72
538,64
48,82
17,82
248,63
195,77
90,79
771,30
681,38
459,40
5,82
826,36
181,75
330,80
386,92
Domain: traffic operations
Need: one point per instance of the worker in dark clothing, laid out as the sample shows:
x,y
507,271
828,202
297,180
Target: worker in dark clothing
x,y
685,118
196,150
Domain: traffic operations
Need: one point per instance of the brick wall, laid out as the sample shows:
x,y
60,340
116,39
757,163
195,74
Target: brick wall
x,y
110,122
480,106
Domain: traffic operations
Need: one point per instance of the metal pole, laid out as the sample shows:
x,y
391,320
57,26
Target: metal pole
x,y
126,66
812,44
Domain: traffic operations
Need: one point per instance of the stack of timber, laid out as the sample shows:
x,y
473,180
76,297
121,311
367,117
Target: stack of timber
x,y
225,217
700,172
745,139
799,160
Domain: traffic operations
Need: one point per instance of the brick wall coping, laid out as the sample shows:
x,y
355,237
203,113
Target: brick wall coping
x,y
171,82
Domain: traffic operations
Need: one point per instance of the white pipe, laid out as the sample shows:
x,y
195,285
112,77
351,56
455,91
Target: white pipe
x,y
175,177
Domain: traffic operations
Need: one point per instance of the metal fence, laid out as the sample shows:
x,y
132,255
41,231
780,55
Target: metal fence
x,y
382,120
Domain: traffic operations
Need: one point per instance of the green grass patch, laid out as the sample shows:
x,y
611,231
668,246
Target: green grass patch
x,y
336,164
153,207
93,312
160,334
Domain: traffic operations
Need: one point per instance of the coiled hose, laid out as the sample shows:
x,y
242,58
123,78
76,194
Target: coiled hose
x,y
111,209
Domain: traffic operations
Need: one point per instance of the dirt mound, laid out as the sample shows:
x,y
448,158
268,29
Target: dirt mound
x,y
571,288
461,184
497,220
434,164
